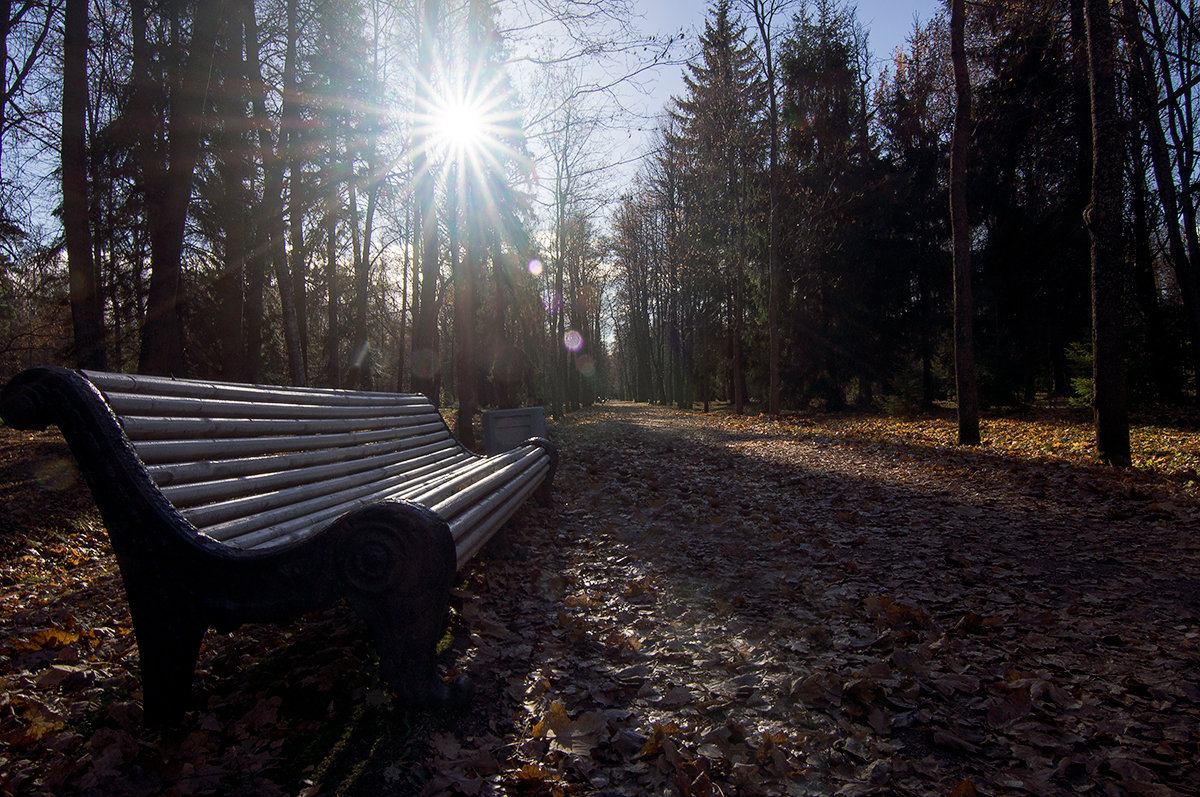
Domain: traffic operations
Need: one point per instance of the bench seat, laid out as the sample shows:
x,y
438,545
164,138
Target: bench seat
x,y
233,502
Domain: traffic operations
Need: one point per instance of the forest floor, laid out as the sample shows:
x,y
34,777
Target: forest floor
x,y
712,605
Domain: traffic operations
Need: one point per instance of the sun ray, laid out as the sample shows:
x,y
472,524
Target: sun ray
x,y
460,123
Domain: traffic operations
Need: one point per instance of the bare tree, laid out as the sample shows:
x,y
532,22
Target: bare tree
x,y
1144,94
270,216
426,346
86,304
13,15
168,174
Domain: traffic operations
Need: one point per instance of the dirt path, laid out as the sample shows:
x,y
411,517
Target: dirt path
x,y
711,606
767,610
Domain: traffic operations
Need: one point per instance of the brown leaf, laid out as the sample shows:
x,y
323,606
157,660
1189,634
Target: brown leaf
x,y
555,719
1007,709
654,744
964,789
68,676
949,741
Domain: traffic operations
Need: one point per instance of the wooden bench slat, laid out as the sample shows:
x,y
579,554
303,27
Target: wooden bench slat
x,y
281,477
208,515
285,526
310,514
157,452
476,526
450,505
430,493
193,388
137,428
133,405
192,471
469,533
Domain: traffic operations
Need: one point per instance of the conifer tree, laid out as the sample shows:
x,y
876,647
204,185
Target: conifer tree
x,y
720,134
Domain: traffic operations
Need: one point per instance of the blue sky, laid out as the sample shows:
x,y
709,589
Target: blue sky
x,y
889,23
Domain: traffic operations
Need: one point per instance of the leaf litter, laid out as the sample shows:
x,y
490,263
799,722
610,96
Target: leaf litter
x,y
713,605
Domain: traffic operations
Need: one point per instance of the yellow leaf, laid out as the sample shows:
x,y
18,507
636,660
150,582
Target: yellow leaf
x,y
556,720
531,773
48,638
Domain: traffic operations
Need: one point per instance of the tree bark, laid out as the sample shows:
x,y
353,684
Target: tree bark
x,y
464,306
290,113
270,216
169,188
964,306
334,362
234,169
426,356
1104,223
87,308
360,373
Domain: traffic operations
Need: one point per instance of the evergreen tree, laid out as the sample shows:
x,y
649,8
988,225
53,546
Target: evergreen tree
x,y
720,141
842,291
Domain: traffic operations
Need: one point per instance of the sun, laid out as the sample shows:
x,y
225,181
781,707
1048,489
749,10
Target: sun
x,y
462,125
470,134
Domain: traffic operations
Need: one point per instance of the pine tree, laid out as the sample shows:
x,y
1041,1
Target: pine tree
x,y
721,140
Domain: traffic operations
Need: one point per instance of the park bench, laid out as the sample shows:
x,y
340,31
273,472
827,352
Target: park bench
x,y
232,503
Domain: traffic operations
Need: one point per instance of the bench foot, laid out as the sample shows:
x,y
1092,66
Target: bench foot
x,y
428,691
167,651
397,563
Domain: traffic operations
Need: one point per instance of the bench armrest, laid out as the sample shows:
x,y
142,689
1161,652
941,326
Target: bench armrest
x,y
134,510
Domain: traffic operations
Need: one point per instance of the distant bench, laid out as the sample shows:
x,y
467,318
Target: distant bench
x,y
231,503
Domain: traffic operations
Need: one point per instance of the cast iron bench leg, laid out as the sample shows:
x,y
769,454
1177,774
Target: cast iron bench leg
x,y
397,562
168,646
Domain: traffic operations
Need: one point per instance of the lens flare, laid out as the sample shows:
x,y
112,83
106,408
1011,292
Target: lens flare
x,y
573,340
462,124
425,363
535,267
56,474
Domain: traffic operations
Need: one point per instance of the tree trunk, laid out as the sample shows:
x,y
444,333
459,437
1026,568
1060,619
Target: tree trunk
x,y
1161,366
334,362
739,309
425,355
230,298
87,309
169,191
290,126
408,241
1104,222
270,214
234,169
763,15
964,333
359,375
464,272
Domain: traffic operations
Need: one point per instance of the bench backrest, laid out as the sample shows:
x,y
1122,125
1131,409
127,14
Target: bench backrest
x,y
250,465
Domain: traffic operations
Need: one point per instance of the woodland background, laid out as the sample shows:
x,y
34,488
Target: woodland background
x,y
262,190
